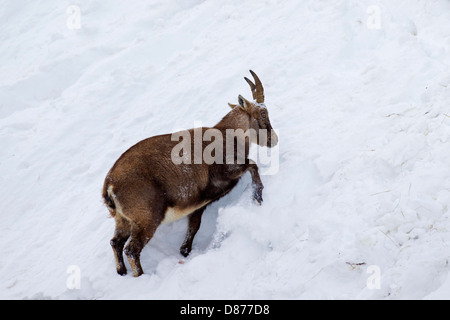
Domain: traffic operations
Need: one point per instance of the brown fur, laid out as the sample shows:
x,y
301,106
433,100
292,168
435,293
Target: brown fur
x,y
145,188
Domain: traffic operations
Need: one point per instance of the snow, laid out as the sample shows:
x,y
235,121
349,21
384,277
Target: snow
x,y
359,92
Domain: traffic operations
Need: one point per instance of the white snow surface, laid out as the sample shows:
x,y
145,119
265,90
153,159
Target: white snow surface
x,y
362,108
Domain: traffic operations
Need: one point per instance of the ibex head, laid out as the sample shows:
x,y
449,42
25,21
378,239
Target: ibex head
x,y
259,115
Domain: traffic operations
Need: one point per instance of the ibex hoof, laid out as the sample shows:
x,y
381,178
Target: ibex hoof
x,y
122,271
258,200
185,251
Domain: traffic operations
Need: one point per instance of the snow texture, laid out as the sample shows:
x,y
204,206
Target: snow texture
x,y
359,92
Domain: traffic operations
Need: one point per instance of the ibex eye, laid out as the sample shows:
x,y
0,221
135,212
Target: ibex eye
x,y
263,114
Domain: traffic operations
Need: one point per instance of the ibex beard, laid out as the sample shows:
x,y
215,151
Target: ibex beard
x,y
160,179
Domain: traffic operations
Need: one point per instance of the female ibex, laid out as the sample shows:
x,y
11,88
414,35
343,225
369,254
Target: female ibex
x,y
145,188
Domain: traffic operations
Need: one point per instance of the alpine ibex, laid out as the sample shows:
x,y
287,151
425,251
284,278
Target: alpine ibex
x,y
145,188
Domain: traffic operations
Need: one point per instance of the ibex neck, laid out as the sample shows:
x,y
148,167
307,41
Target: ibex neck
x,y
235,119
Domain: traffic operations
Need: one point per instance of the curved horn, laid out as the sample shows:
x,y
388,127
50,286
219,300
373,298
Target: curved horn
x,y
252,87
257,88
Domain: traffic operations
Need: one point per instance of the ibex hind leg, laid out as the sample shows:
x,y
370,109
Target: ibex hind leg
x,y
121,235
141,233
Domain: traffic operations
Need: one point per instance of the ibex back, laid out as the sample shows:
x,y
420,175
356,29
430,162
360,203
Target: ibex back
x,y
145,188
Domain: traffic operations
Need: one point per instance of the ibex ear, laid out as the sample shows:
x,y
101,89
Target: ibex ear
x,y
232,106
243,103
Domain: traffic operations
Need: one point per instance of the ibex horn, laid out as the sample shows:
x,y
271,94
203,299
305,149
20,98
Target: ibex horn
x,y
257,88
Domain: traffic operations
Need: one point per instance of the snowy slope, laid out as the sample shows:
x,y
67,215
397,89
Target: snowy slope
x,y
360,94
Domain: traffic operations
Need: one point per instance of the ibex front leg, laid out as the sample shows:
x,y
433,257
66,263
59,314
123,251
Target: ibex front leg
x,y
256,183
194,224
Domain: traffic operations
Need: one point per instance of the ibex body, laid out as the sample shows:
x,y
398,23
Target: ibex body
x,y
145,188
